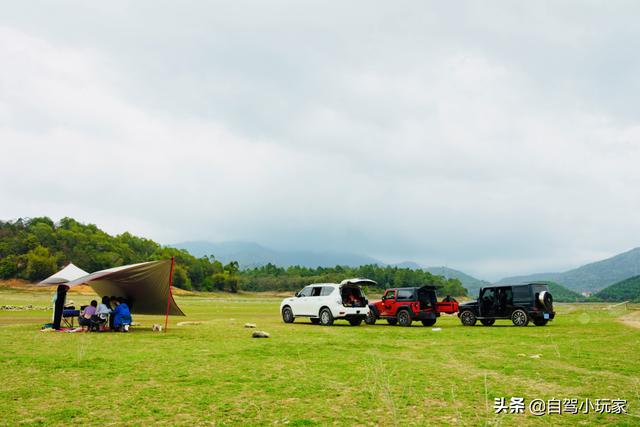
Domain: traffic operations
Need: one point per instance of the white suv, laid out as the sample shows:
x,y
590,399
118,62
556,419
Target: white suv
x,y
325,302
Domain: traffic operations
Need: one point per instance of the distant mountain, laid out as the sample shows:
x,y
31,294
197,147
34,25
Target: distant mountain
x,y
408,264
626,290
471,283
590,277
249,254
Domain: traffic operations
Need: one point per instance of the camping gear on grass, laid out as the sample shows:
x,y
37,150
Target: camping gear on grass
x,y
145,286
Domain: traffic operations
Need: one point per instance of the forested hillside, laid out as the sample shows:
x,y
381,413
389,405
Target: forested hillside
x,y
33,249
590,277
626,290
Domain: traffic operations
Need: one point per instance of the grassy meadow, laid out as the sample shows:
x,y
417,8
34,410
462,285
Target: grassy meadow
x,y
213,373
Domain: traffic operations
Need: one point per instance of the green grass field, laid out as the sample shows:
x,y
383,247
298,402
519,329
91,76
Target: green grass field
x,y
215,374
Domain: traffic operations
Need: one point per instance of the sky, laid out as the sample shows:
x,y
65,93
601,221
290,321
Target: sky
x,y
498,138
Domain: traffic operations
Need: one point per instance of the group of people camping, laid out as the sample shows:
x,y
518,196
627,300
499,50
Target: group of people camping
x,y
112,310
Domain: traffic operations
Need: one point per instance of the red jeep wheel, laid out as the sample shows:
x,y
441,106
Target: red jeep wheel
x,y
404,318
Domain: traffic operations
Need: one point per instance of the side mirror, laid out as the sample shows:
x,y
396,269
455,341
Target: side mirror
x,y
297,294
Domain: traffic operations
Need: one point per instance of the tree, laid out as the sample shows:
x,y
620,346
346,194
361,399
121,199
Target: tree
x,y
232,284
40,264
181,278
232,268
218,281
8,267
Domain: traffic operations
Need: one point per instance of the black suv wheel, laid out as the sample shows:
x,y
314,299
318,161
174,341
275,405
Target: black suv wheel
x,y
519,318
468,318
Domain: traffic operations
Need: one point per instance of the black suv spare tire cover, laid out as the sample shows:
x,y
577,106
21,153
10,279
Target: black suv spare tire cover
x,y
546,300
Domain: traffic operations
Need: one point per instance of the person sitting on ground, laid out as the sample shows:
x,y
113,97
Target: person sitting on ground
x,y
103,311
86,314
121,316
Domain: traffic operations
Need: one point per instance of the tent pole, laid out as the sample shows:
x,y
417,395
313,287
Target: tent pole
x,y
166,316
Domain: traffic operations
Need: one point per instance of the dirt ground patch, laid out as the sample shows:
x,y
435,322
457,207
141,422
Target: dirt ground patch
x,y
631,319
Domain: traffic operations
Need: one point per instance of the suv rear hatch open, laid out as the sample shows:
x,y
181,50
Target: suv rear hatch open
x,y
351,292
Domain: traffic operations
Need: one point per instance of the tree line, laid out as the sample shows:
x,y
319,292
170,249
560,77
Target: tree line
x,y
35,248
271,277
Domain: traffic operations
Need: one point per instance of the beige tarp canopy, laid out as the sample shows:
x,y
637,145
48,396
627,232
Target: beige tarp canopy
x,y
144,285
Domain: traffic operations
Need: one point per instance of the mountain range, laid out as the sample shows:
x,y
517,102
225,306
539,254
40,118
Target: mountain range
x,y
590,277
250,254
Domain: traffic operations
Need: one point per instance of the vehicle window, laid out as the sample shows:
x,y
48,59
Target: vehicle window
x,y
390,295
405,294
316,291
521,292
489,294
508,296
326,291
305,292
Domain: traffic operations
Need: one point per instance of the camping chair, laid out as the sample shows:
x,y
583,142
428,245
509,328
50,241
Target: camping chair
x,y
96,322
68,314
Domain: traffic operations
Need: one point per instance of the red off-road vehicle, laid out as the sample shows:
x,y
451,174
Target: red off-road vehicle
x,y
404,305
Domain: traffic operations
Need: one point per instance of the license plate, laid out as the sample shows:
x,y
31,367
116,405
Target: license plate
x,y
546,315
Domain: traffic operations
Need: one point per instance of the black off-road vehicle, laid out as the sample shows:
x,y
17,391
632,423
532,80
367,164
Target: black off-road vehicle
x,y
520,303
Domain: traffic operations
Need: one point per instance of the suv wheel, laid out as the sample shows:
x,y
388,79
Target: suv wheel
x,y
370,319
519,318
326,318
540,322
487,322
355,322
392,321
468,318
287,315
429,322
315,320
404,318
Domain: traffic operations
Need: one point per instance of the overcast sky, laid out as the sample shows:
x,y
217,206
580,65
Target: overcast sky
x,y
493,137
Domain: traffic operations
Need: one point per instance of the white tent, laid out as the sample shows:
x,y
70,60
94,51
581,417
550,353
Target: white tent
x,y
67,274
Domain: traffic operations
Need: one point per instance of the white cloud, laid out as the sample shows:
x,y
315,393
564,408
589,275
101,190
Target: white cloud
x,y
383,135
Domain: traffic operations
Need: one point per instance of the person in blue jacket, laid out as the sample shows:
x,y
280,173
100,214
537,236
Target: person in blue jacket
x,y
121,315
